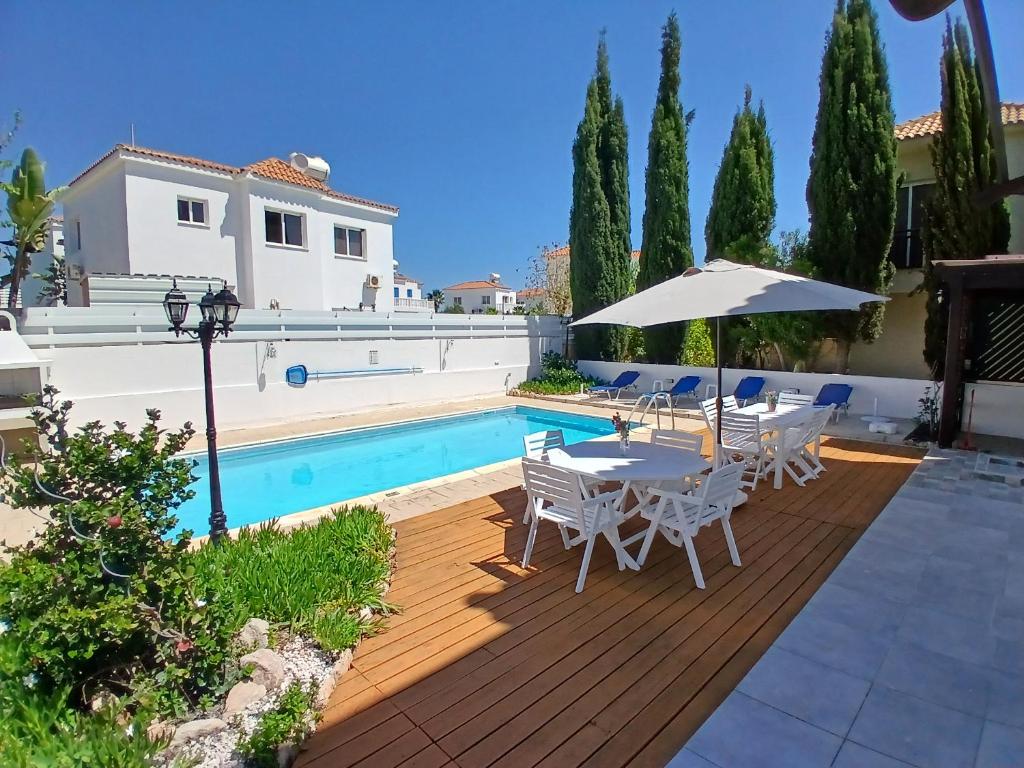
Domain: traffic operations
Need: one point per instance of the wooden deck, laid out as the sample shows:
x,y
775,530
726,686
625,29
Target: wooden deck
x,y
488,665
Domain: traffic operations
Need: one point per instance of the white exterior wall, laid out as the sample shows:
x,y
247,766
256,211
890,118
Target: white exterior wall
x,y
114,362
998,409
473,299
897,398
404,286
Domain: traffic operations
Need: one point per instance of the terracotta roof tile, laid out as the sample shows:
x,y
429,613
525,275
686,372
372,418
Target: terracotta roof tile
x,y
477,284
272,168
400,278
564,251
529,293
930,124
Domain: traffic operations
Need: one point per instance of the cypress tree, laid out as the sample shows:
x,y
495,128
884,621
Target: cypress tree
x,y
851,192
953,228
666,250
743,200
599,222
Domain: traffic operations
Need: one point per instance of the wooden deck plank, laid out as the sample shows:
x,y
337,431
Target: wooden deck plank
x,y
490,664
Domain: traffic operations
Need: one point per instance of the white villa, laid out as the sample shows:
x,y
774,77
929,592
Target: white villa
x,y
408,295
273,230
478,296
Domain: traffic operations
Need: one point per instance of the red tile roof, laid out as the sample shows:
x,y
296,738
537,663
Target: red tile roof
x,y
529,293
564,251
272,168
930,124
477,284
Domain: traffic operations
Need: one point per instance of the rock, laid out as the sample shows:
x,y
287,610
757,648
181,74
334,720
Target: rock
x,y
254,635
186,732
327,686
241,696
286,755
365,613
268,668
160,731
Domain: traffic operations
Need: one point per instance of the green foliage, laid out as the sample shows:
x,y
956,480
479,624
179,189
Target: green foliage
x,y
289,722
454,309
55,283
29,207
436,296
100,601
851,192
313,579
39,729
491,311
964,163
699,350
559,376
666,250
599,222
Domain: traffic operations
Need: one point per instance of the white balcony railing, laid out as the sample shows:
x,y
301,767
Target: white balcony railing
x,y
413,305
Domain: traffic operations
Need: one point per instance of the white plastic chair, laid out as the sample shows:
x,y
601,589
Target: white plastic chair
x,y
742,436
691,443
811,450
798,448
536,446
795,398
710,410
679,517
570,508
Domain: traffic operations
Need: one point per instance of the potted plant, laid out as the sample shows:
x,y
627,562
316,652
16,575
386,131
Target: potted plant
x,y
772,400
622,428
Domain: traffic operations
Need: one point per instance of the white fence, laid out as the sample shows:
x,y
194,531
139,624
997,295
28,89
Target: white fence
x,y
896,398
114,362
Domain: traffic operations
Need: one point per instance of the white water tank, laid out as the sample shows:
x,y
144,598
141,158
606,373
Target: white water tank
x,y
311,165
495,277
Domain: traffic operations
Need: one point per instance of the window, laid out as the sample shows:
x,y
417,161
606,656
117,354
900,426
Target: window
x,y
78,235
457,300
396,291
408,293
906,252
284,228
191,211
485,299
348,242
506,298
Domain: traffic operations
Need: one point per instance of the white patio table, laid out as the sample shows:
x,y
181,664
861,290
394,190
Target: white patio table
x,y
783,417
644,466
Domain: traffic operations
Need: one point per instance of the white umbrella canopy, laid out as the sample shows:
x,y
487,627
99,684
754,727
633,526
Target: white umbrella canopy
x,y
723,288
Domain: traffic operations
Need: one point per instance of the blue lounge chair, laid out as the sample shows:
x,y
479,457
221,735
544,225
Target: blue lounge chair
x,y
684,386
748,388
834,394
623,380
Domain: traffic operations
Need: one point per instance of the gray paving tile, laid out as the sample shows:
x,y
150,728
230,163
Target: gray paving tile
x,y
980,574
955,599
881,570
1006,698
744,733
688,759
853,755
937,678
857,652
857,610
810,691
1001,747
1009,655
951,635
916,731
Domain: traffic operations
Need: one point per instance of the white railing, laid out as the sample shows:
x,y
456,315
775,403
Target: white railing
x,y
413,305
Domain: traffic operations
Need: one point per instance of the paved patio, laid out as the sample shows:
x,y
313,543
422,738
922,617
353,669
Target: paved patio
x,y
490,665
912,653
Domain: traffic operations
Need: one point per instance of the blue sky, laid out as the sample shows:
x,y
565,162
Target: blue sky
x,y
462,113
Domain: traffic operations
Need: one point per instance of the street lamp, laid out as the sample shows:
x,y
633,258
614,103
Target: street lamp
x,y
218,315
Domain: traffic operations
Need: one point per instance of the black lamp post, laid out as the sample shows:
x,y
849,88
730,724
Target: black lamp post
x,y
218,315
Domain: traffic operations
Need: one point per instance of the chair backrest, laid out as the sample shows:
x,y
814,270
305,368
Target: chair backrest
x,y
625,378
558,486
685,385
749,386
717,493
819,421
740,430
690,442
537,444
710,410
834,394
729,403
795,398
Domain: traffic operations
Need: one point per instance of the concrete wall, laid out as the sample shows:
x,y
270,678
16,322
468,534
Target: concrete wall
x,y
898,351
116,362
895,397
998,409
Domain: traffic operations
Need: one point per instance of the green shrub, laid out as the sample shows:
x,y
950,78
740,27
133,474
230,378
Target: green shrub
x,y
699,350
559,376
39,729
313,579
287,723
100,601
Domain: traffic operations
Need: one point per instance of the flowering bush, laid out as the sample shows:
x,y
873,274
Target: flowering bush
x,y
559,376
100,602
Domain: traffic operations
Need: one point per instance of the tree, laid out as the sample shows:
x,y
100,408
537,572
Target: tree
x,y
29,206
743,199
549,273
699,350
436,296
851,192
54,290
599,228
964,163
666,250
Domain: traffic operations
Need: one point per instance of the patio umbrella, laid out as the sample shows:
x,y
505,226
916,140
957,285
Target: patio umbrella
x,y
722,289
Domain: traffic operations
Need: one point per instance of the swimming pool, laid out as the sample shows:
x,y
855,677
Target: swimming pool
x,y
277,479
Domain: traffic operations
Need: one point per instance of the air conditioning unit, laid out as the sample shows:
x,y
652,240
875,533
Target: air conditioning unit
x,y
75,271
373,281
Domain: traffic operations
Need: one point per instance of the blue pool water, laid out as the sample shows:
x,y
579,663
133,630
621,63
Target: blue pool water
x,y
273,480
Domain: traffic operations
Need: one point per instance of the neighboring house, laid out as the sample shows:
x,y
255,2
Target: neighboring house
x,y
897,352
273,230
531,299
558,300
28,292
408,295
478,296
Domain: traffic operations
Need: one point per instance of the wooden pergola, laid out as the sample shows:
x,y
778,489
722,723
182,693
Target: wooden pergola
x,y
963,281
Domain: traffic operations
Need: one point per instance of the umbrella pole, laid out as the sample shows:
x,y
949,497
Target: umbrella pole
x,y
718,391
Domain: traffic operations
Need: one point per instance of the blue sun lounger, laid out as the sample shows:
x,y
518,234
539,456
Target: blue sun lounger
x,y
834,394
687,385
623,380
748,388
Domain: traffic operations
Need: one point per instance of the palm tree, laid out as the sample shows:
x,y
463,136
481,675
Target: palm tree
x,y
29,207
436,296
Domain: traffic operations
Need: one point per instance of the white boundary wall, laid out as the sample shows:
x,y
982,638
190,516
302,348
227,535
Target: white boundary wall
x,y
115,362
897,398
998,408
